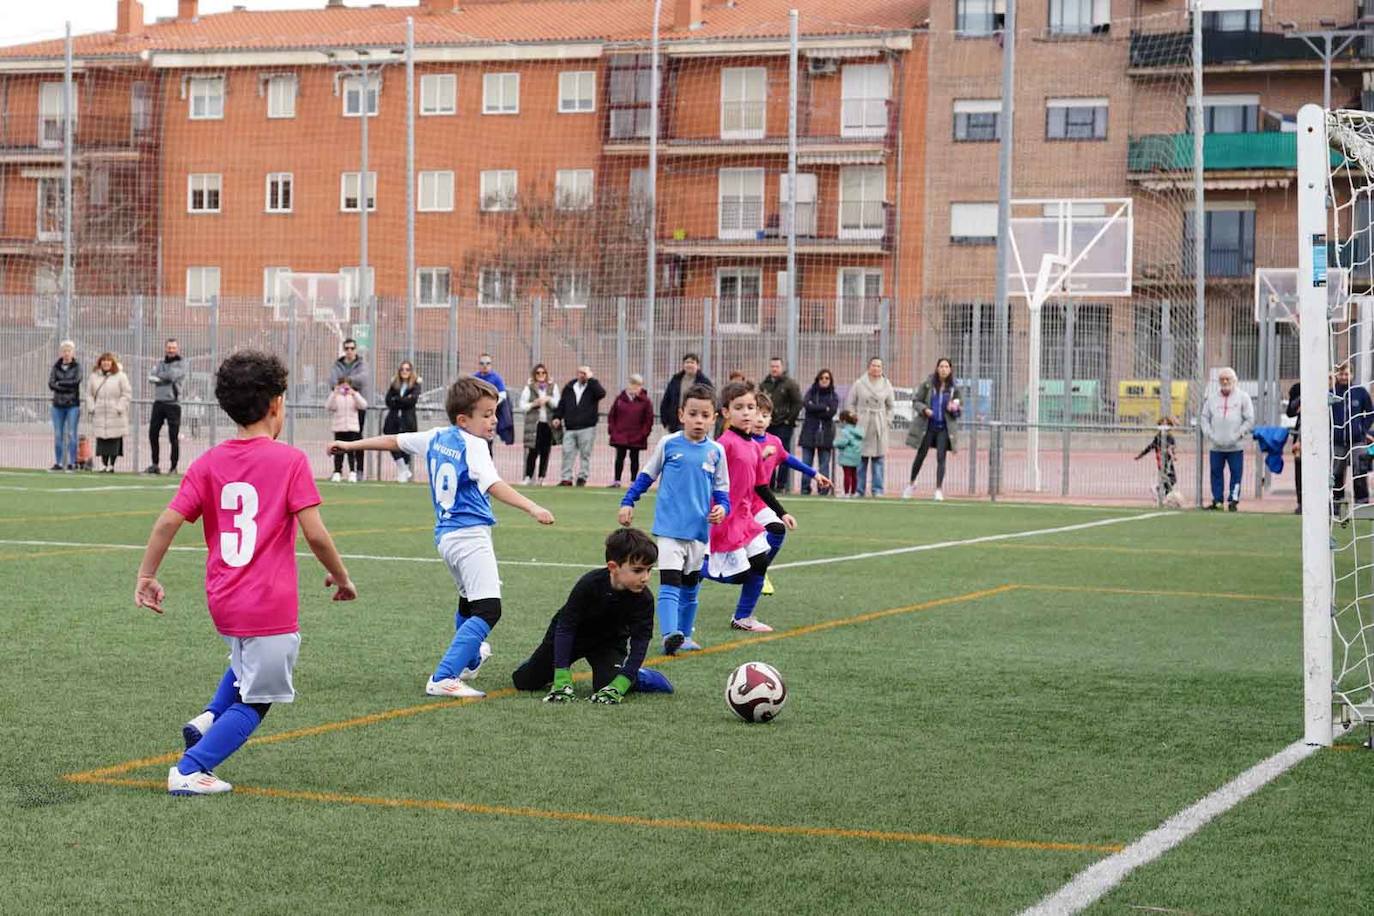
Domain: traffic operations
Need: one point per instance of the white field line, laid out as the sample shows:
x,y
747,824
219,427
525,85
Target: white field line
x,y
95,489
1095,881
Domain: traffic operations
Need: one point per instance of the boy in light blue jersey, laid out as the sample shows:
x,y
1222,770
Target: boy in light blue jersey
x,y
462,480
693,494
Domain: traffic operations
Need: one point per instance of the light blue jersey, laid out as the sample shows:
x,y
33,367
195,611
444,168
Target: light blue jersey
x,y
460,473
691,478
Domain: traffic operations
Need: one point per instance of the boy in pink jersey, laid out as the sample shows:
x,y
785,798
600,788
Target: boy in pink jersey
x,y
251,492
775,454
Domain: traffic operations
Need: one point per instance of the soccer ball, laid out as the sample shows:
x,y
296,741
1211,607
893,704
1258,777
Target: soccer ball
x,y
755,692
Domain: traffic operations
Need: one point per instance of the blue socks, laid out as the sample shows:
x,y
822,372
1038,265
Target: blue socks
x,y
687,608
464,649
669,597
231,729
749,596
774,543
226,694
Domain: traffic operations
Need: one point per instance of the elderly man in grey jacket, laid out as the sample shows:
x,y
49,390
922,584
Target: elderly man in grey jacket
x,y
1228,418
166,379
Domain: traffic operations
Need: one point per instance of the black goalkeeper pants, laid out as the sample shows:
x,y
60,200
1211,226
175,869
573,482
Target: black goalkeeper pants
x,y
605,657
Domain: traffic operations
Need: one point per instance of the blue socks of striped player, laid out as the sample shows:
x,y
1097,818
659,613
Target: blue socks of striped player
x,y
226,694
466,645
647,680
687,608
669,598
775,540
231,729
749,596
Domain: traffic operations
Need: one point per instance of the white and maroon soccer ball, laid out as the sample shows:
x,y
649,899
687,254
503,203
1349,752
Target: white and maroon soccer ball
x,y
755,692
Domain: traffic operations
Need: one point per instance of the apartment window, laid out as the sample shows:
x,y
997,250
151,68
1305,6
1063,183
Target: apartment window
x,y
354,96
862,191
207,97
141,110
739,292
973,224
51,129
439,94
1227,114
573,289
740,199
865,92
979,17
202,286
279,192
98,186
1229,248
1080,17
743,102
281,96
806,204
350,285
501,93
631,92
495,288
860,292
436,191
350,192
976,120
271,283
202,193
51,212
577,91
1076,119
573,189
432,286
1239,20
498,190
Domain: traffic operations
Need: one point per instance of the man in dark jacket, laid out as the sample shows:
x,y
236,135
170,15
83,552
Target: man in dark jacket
x,y
1294,410
690,375
351,368
578,414
787,406
1351,414
166,379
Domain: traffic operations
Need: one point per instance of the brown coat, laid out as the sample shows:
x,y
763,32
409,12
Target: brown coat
x,y
107,403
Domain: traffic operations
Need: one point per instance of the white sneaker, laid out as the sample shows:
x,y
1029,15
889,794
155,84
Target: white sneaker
x,y
910,490
403,473
752,624
483,653
451,687
193,731
352,476
939,496
335,477
524,481
195,784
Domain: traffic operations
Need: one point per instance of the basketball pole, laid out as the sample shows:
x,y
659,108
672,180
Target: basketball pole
x,y
1004,152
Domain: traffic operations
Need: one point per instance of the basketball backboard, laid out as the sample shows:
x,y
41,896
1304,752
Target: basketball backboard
x,y
1276,294
312,297
1074,246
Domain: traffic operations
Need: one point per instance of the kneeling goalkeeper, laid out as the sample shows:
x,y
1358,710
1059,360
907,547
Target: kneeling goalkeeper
x,y
608,619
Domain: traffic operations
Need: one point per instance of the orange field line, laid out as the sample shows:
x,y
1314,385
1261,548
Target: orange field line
x,y
660,823
1155,593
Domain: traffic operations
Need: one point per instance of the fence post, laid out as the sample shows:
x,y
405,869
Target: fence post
x,y
706,336
293,360
136,425
1201,444
1067,418
884,329
212,407
451,351
537,330
975,372
1261,406
622,346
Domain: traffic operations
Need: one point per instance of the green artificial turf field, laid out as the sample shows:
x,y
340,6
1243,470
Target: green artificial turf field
x,y
968,727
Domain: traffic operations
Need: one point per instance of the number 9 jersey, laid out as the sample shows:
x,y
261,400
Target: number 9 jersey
x,y
460,473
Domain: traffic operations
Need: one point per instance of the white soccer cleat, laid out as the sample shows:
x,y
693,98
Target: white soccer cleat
x,y
195,784
403,474
752,624
336,477
352,476
451,687
939,496
483,653
193,731
909,491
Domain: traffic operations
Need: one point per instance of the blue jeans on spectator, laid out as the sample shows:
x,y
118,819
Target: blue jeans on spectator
x,y
1220,461
821,463
64,421
877,465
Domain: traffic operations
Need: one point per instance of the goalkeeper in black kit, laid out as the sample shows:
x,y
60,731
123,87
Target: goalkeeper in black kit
x,y
608,619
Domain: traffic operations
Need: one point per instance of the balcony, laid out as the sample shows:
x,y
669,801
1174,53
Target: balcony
x,y
1229,161
873,238
1222,262
1153,51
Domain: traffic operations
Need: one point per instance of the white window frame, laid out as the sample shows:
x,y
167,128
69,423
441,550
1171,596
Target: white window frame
x,y
206,183
574,189
505,280
270,276
209,92
977,107
973,222
572,289
281,96
201,292
43,230
500,93
743,117
865,275
433,275
1071,104
438,95
571,87
865,94
739,273
351,93
493,194
1082,17
344,180
282,179
806,204
50,114
743,227
866,205
350,289
434,192
141,109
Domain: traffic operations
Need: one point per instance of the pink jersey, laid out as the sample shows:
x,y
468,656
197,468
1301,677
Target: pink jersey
x,y
744,461
779,456
249,491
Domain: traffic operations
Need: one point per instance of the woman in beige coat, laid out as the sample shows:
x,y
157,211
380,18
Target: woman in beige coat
x,y
871,399
108,393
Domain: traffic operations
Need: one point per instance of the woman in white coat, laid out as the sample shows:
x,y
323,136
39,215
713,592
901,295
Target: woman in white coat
x,y
108,394
871,399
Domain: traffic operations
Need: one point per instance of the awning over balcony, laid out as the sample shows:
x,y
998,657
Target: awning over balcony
x,y
1270,150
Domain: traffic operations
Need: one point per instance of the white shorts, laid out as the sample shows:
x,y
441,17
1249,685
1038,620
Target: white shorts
x,y
263,666
725,565
471,560
680,555
766,517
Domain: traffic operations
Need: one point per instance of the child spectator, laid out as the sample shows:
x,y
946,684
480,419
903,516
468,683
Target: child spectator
x,y
693,494
849,444
346,406
630,421
608,619
775,455
1162,444
108,394
252,492
401,397
462,480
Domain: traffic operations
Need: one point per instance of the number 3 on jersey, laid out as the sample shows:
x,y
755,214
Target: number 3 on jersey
x,y
236,547
444,481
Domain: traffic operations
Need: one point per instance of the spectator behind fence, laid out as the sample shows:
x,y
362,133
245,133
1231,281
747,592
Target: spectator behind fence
x,y
1227,417
820,404
505,418
539,404
630,420
936,405
351,368
400,414
678,385
108,395
785,394
346,406
1351,414
849,445
64,381
1294,410
166,381
578,415
871,399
